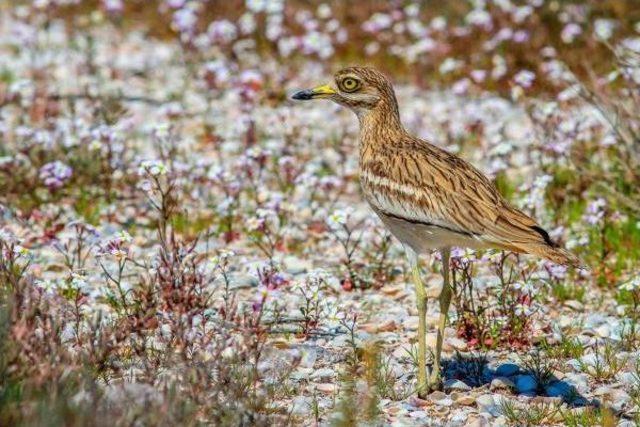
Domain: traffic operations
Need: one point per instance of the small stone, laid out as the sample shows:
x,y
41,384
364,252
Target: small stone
x,y
400,352
442,410
477,421
301,374
301,405
388,326
440,399
390,290
416,402
455,344
502,383
308,359
411,322
296,266
326,388
525,383
455,385
546,400
418,414
465,400
574,305
486,403
323,374
627,378
242,281
507,370
437,396
499,421
603,331
579,381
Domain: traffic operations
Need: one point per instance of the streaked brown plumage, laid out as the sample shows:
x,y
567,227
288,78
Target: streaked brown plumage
x,y
431,186
428,198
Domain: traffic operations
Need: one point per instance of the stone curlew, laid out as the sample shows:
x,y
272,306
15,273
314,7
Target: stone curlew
x,y
427,197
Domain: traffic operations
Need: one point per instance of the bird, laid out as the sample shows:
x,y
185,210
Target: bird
x,y
428,198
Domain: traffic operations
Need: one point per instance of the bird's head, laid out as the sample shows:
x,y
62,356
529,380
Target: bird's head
x,y
362,89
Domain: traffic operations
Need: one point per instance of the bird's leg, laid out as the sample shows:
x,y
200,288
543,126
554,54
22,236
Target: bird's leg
x,y
445,300
421,300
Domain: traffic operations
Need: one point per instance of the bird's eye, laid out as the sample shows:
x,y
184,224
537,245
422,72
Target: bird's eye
x,y
349,84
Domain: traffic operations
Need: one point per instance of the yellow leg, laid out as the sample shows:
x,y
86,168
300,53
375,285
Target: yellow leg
x,y
445,300
421,300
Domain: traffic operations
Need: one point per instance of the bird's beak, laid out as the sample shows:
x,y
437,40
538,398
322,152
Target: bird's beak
x,y
317,92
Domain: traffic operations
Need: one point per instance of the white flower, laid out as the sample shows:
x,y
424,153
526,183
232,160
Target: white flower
x,y
152,167
449,65
124,236
339,218
524,78
603,28
47,285
570,32
523,310
631,285
20,250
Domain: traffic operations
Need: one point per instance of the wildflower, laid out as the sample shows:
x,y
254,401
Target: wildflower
x,y
632,285
339,218
439,23
255,224
524,78
222,257
449,65
317,43
377,22
117,246
603,28
55,174
461,86
595,211
152,167
79,282
47,285
222,31
161,130
7,236
113,6
570,32
523,310
19,250
525,287
520,36
480,18
184,20
478,76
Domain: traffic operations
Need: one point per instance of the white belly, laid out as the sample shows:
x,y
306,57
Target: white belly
x,y
422,238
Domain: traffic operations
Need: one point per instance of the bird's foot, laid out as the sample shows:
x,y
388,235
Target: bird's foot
x,y
435,381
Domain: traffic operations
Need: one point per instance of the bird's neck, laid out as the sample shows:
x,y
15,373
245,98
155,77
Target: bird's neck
x,y
380,126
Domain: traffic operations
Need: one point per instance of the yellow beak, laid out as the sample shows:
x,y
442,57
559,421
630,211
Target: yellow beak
x,y
317,92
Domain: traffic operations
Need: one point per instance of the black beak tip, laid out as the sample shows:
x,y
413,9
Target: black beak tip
x,y
302,95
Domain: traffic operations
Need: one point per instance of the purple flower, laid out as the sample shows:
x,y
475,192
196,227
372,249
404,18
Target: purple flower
x,y
222,31
570,32
113,6
595,211
55,174
524,78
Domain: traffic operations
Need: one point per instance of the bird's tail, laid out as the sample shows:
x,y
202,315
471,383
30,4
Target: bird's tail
x,y
555,254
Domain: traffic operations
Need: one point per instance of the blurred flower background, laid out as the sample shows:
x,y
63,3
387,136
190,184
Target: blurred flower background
x,y
181,244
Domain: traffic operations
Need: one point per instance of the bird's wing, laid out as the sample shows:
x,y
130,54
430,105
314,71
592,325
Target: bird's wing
x,y
423,183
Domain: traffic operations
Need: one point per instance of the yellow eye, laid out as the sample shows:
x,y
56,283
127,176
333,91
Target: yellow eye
x,y
349,84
